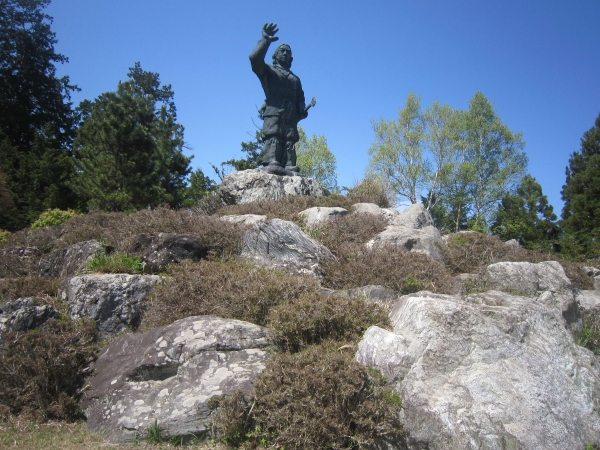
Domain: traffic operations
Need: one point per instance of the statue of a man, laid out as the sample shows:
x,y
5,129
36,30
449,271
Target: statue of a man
x,y
284,105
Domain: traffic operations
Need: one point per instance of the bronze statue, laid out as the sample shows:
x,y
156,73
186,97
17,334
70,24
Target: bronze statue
x,y
284,105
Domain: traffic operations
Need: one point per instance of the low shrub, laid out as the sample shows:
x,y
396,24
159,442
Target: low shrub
x,y
232,289
372,190
4,235
393,267
14,288
349,229
473,252
312,318
42,371
115,263
589,337
317,398
53,218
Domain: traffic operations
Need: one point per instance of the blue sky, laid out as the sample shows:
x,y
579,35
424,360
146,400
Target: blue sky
x,y
537,61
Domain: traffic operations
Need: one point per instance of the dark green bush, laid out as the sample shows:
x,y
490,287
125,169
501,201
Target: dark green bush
x,y
319,398
232,289
392,267
312,318
42,371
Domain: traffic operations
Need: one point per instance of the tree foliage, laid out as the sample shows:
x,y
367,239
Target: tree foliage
x,y
129,147
316,160
581,194
526,216
459,163
252,150
36,119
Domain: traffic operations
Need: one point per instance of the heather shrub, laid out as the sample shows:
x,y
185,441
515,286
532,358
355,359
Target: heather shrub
x,y
42,371
372,190
53,218
318,398
348,229
119,230
21,287
233,289
393,267
473,252
312,318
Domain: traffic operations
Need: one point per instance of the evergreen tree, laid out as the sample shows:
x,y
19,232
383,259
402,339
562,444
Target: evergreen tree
x,y
252,149
200,186
581,194
36,119
128,149
527,217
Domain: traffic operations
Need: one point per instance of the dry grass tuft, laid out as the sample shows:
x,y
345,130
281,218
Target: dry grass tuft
x,y
231,289
14,288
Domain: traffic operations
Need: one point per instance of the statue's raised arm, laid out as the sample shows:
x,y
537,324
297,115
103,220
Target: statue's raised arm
x,y
284,104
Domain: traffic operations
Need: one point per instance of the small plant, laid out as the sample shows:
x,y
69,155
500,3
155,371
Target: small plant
x,y
115,263
154,433
4,235
590,333
53,218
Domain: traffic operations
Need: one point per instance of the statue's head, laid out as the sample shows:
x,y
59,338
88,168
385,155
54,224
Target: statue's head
x,y
283,56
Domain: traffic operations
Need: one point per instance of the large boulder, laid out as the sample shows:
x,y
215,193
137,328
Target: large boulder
x,y
546,281
23,314
412,229
282,244
114,301
66,262
491,370
169,374
319,214
254,184
160,250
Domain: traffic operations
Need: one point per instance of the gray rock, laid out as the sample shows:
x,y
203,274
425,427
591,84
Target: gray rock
x,y
169,375
372,208
592,271
168,248
546,280
491,370
412,229
244,219
415,216
69,261
282,244
315,216
512,243
597,283
253,185
422,240
588,300
23,314
114,301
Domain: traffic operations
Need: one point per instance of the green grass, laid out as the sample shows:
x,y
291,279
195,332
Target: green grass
x,y
115,263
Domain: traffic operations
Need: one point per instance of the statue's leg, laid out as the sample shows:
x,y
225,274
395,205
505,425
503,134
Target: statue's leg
x,y
272,151
291,137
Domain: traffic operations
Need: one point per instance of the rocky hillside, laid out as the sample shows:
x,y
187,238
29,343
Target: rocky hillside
x,y
297,319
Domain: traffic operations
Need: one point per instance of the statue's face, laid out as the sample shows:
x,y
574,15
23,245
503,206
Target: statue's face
x,y
284,56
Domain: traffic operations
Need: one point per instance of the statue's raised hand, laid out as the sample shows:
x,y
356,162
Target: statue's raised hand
x,y
269,30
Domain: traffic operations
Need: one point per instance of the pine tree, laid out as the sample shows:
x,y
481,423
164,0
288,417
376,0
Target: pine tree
x,y
36,119
581,194
526,216
129,145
